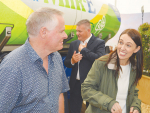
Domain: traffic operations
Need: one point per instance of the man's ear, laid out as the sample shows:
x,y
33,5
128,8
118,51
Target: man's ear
x,y
89,30
137,49
43,31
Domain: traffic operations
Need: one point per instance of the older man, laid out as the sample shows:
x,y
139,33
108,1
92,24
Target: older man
x,y
32,78
81,55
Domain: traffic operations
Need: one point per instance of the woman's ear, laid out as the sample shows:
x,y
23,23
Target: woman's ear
x,y
137,49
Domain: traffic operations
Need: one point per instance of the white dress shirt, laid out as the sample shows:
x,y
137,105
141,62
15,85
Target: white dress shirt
x,y
83,43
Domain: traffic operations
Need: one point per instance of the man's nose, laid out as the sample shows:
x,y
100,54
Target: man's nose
x,y
65,36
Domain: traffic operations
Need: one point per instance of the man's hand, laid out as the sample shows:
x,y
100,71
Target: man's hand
x,y
81,47
61,103
76,57
135,111
116,108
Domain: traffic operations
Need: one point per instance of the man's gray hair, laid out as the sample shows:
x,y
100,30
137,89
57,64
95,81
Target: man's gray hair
x,y
86,22
43,17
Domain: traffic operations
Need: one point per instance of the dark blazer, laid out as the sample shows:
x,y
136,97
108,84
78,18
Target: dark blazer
x,y
95,49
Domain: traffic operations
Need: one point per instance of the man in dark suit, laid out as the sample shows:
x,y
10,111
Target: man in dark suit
x,y
81,55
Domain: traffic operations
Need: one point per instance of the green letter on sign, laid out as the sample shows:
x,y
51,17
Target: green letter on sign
x,y
45,1
61,3
67,4
72,4
78,3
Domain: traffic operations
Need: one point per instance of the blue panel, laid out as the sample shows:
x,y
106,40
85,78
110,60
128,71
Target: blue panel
x,y
68,73
67,70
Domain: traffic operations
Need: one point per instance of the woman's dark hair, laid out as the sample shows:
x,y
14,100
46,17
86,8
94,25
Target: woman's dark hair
x,y
136,59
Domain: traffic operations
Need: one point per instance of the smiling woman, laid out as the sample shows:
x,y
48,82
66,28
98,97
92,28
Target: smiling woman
x,y
126,47
110,85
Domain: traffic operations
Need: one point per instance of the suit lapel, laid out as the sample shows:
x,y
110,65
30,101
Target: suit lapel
x,y
90,41
77,46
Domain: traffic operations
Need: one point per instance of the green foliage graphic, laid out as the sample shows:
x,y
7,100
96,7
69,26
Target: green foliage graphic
x,y
144,30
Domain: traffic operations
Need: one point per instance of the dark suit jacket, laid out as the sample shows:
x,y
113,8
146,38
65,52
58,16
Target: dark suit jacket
x,y
95,49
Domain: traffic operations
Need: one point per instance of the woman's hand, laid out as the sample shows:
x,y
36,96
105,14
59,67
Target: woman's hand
x,y
135,111
116,108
